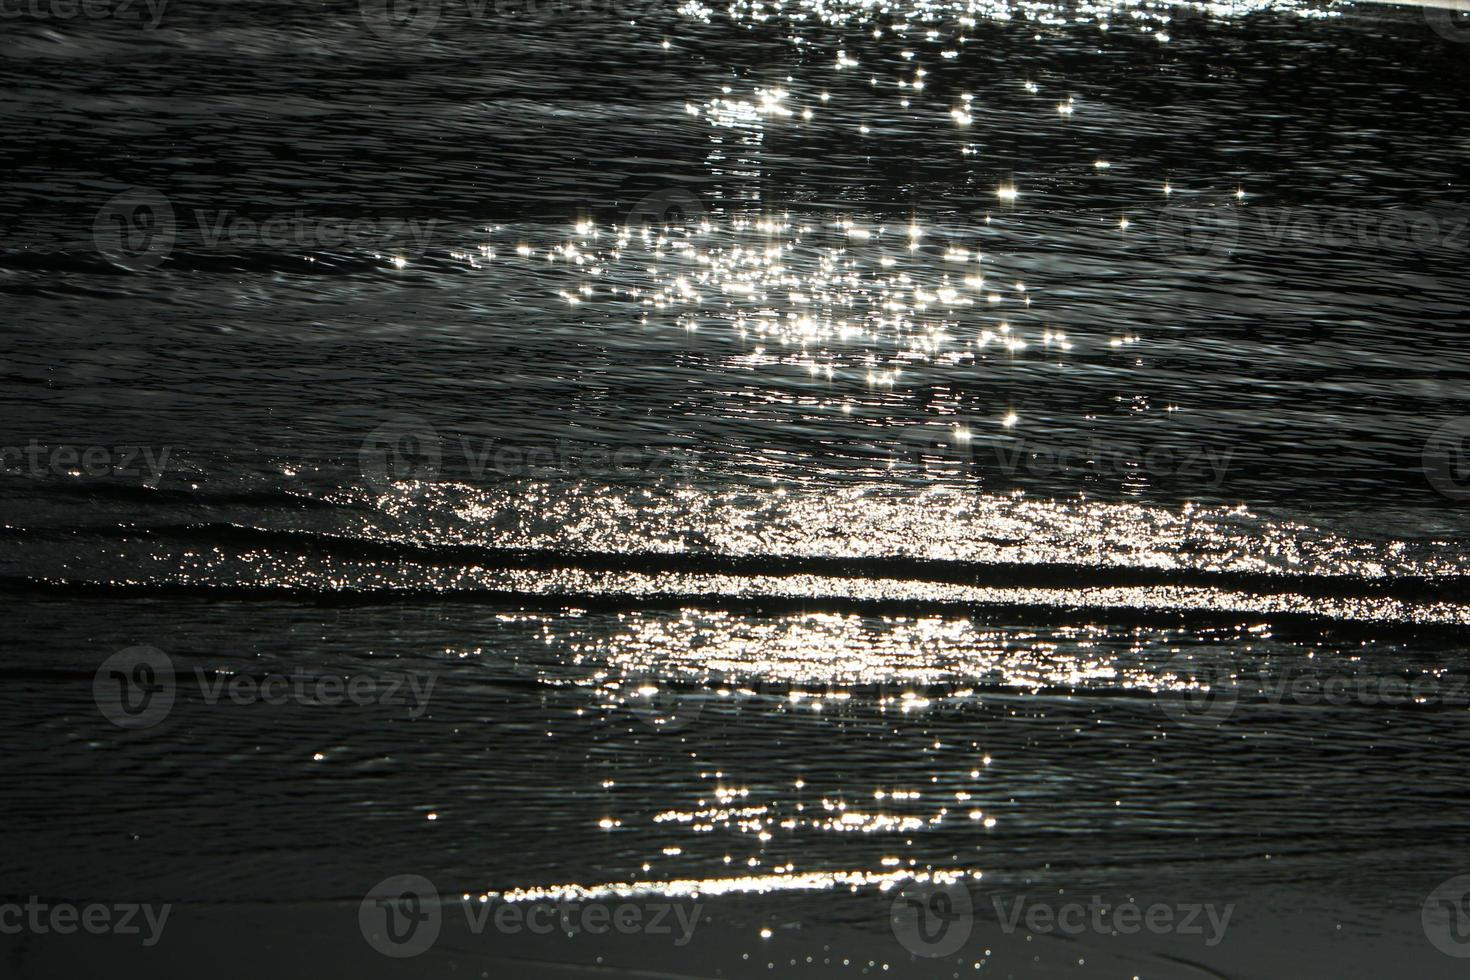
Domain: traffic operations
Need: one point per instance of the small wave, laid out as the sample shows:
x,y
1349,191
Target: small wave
x,y
979,574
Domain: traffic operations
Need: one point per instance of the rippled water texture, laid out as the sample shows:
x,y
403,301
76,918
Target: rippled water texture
x,y
792,453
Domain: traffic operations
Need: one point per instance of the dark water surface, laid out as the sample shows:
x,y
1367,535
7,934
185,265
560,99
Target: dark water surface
x,y
780,457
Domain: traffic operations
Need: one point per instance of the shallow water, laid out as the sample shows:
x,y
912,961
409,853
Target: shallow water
x,y
778,456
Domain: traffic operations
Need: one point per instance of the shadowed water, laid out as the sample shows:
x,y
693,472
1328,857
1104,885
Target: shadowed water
x,y
777,454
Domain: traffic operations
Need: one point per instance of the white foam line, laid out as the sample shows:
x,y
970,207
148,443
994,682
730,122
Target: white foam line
x,y
747,884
